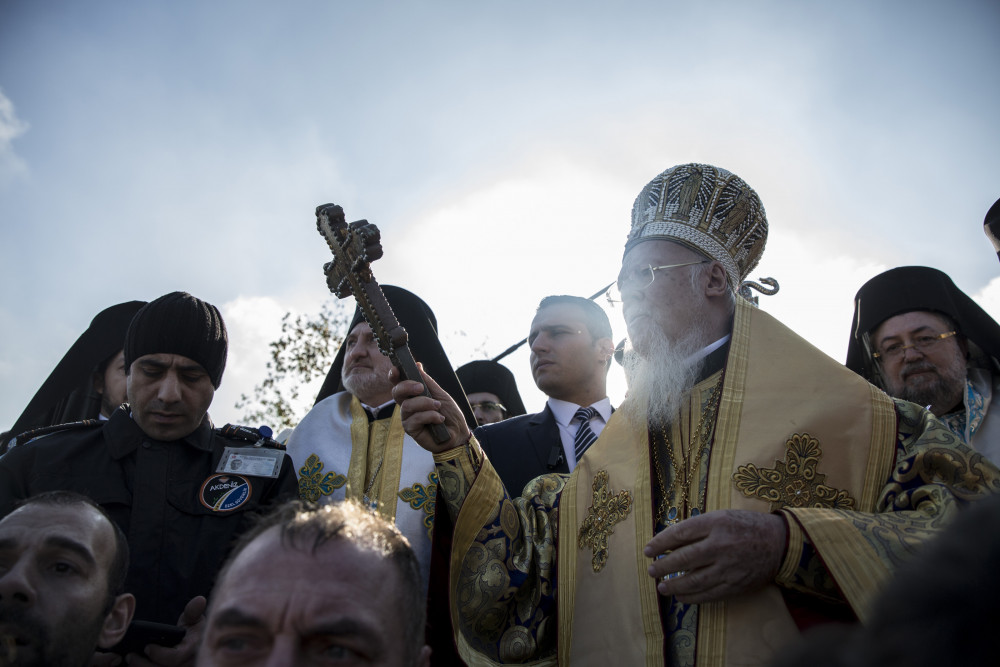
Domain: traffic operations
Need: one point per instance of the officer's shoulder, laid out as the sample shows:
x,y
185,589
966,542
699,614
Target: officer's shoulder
x,y
82,426
248,435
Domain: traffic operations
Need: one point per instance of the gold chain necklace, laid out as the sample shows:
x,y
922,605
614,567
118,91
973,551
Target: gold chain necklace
x,y
690,465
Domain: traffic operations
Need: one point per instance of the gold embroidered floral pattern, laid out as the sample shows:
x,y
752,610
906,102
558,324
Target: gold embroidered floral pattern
x,y
313,483
608,509
423,497
793,482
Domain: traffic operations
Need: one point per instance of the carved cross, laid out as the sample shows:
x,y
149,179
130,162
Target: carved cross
x,y
354,247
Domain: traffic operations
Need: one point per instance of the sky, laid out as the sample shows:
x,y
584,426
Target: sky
x,y
147,147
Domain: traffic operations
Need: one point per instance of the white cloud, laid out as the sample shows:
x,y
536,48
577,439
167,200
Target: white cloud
x,y
484,260
11,127
817,288
989,298
252,323
496,178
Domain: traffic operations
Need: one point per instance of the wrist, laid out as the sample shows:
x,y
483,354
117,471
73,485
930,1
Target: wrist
x,y
467,449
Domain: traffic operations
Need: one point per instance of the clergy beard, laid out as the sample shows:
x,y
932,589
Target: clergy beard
x,y
660,382
940,388
370,387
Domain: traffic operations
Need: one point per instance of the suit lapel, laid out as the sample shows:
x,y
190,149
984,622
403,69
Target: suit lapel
x,y
543,432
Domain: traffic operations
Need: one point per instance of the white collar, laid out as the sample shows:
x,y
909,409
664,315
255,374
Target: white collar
x,y
563,411
709,349
374,411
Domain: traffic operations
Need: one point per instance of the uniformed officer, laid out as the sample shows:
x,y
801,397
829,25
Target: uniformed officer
x,y
180,489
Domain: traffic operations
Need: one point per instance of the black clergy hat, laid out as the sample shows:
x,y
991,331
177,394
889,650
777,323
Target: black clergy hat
x,y
495,378
67,395
991,225
909,288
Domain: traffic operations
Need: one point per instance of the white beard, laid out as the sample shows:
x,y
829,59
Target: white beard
x,y
660,383
367,385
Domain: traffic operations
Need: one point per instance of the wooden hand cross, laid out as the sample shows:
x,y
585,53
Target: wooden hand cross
x,y
354,247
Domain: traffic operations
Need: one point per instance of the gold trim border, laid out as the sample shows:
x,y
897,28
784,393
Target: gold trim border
x,y
711,641
567,559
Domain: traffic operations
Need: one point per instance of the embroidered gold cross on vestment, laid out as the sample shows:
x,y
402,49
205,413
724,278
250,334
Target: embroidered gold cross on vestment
x,y
423,497
313,484
793,482
608,509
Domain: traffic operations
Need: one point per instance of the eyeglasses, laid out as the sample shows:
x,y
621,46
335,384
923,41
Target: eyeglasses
x,y
641,278
489,405
894,352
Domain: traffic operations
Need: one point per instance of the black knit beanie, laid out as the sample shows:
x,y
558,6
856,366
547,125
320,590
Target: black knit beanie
x,y
178,323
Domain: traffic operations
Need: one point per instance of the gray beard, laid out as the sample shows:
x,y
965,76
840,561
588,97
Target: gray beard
x,y
660,383
366,386
940,393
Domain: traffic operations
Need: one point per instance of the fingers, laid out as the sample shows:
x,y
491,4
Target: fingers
x,y
193,619
407,389
194,611
717,555
671,563
173,656
685,532
416,409
684,558
694,575
663,542
419,411
433,388
696,587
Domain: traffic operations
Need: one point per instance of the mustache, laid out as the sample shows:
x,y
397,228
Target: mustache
x,y
918,367
355,367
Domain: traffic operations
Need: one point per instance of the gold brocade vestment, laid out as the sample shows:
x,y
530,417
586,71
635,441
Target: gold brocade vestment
x,y
795,432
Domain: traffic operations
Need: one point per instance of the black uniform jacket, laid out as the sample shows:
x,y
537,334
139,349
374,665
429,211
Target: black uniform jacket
x,y
180,516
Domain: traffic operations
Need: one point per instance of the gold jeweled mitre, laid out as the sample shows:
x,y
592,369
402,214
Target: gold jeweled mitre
x,y
707,209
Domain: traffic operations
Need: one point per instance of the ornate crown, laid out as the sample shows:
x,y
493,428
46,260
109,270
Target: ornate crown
x,y
707,209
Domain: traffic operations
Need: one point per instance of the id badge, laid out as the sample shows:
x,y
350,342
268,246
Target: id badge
x,y
254,461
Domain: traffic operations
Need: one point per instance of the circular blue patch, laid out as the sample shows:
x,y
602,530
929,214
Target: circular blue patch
x,y
224,493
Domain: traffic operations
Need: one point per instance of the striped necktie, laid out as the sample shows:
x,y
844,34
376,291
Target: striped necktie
x,y
585,435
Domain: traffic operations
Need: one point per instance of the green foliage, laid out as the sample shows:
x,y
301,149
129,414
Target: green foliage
x,y
302,354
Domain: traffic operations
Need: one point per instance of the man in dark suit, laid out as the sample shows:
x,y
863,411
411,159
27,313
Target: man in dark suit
x,y
571,350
